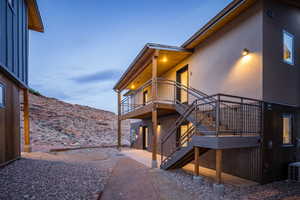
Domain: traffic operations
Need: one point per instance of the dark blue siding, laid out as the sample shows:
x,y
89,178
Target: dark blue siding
x,y
14,39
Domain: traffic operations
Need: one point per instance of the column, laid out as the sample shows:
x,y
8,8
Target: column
x,y
119,120
154,109
27,146
219,165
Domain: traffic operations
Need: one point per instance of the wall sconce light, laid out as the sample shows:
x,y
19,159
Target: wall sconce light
x,y
164,59
245,52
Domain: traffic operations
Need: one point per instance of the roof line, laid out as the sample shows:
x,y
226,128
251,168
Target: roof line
x,y
213,21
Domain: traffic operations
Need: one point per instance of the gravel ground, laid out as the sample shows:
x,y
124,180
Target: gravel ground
x,y
203,188
79,174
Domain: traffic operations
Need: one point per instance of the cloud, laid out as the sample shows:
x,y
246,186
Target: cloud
x,y
105,75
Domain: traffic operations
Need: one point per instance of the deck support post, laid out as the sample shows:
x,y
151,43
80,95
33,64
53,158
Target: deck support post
x,y
154,109
119,121
197,161
219,166
27,146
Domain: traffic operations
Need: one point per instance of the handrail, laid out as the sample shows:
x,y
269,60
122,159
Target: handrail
x,y
185,135
177,122
232,115
126,101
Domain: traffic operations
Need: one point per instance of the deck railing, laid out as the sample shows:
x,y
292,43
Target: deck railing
x,y
167,92
216,115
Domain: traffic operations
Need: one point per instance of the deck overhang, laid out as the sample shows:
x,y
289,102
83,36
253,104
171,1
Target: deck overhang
x,y
146,111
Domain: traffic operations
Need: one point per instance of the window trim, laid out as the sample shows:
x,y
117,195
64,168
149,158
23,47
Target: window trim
x,y
293,47
3,88
291,116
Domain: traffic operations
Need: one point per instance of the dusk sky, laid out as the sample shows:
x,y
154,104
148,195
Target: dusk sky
x,y
88,44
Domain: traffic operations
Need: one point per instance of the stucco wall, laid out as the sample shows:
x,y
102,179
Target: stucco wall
x,y
217,66
281,81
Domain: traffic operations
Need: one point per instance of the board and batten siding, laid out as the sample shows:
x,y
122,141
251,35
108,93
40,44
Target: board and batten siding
x,y
14,39
217,66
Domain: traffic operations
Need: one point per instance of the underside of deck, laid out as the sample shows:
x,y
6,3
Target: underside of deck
x,y
146,111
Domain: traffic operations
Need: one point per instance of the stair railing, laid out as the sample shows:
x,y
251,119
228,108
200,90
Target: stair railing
x,y
185,138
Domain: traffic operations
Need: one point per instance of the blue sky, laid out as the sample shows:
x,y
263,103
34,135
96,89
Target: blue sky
x,y
88,44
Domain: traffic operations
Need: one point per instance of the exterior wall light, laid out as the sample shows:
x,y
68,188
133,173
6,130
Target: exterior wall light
x,y
245,52
164,59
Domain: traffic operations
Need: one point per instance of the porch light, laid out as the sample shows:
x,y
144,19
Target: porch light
x,y
164,59
245,52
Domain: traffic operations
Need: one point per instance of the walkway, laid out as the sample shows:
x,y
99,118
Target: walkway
x,y
132,180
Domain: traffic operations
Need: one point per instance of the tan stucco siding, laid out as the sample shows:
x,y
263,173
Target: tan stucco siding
x,y
217,66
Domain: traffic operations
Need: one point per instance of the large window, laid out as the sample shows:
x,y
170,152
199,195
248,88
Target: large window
x,y
287,129
288,48
2,96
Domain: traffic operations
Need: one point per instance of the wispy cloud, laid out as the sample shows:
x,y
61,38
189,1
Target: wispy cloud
x,y
105,75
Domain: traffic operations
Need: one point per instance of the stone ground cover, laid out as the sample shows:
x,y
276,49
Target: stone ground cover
x,y
202,188
87,173
73,175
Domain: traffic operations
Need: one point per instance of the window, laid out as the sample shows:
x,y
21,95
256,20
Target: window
x,y
288,48
287,129
2,96
145,97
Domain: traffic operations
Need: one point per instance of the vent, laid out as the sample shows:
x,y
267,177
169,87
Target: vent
x,y
294,172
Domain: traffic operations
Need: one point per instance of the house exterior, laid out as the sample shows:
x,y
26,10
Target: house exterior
x,y
226,99
17,17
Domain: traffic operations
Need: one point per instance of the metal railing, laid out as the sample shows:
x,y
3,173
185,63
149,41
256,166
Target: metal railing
x,y
167,92
217,115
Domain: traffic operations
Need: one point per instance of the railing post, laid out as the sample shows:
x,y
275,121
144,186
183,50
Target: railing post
x,y
119,120
218,115
242,117
161,152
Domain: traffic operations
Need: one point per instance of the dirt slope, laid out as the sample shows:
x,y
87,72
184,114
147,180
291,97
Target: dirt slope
x,y
55,124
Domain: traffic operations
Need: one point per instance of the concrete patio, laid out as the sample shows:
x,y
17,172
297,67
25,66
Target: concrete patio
x,y
145,157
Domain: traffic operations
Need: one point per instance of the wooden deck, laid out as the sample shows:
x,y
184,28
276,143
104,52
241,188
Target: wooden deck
x,y
146,111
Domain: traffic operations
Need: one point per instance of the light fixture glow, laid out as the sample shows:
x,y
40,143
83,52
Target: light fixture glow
x,y
164,59
245,52
132,86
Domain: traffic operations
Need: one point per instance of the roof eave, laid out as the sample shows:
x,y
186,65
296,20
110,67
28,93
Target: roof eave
x,y
226,11
148,46
35,21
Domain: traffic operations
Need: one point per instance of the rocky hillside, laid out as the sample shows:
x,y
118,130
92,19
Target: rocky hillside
x,y
57,124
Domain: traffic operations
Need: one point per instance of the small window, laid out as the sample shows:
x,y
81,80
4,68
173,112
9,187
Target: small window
x,y
287,129
145,97
2,96
288,48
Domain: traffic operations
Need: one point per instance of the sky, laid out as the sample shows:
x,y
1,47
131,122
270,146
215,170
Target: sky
x,y
88,44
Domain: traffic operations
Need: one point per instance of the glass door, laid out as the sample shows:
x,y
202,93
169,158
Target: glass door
x,y
182,77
